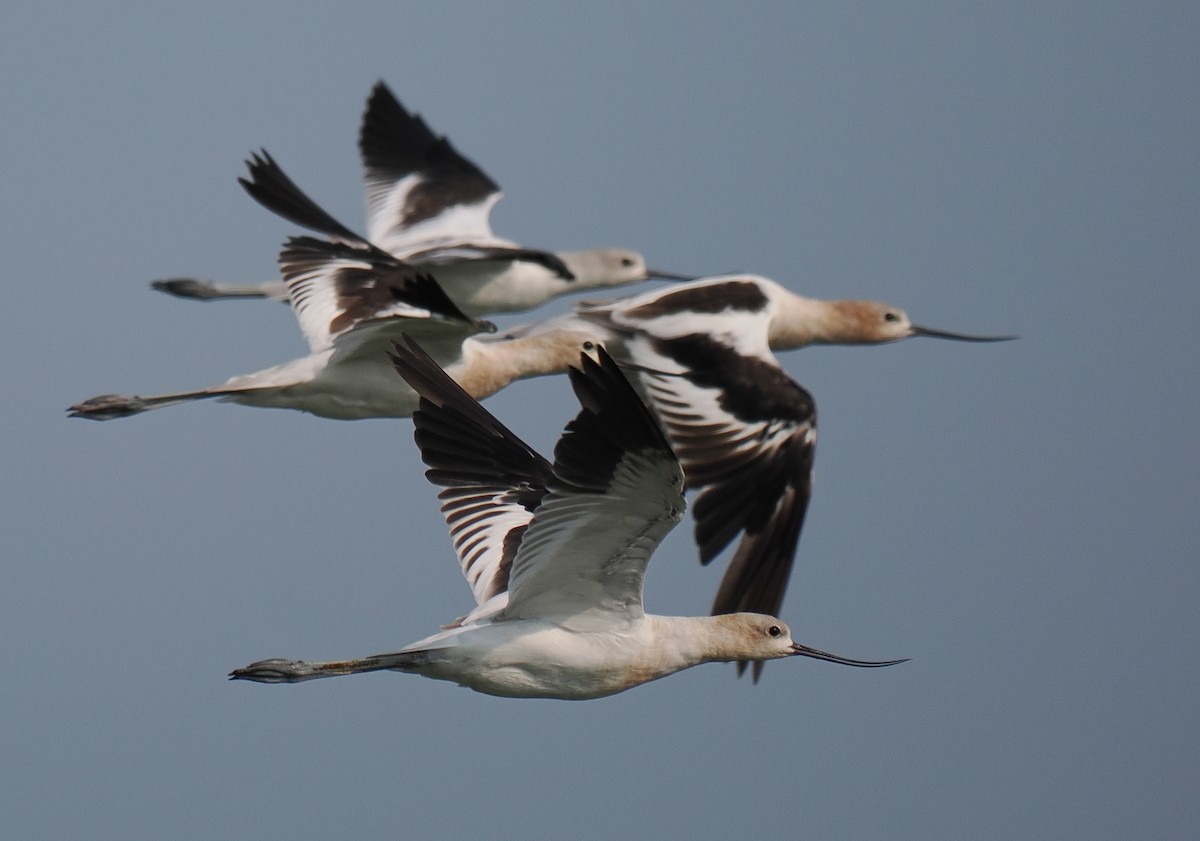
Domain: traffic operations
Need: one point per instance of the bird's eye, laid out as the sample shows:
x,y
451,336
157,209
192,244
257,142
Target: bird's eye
x,y
774,630
626,261
890,316
589,346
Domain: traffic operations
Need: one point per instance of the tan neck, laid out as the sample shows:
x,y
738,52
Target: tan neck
x,y
690,640
489,367
800,321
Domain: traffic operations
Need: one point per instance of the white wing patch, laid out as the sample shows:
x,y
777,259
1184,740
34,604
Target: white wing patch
x,y
485,528
584,555
460,223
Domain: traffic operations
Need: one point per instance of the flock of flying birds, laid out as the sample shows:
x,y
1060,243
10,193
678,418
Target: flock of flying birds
x,y
678,387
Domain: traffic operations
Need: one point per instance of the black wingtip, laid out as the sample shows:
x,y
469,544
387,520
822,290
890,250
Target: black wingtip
x,y
444,404
271,187
612,421
394,142
423,374
389,278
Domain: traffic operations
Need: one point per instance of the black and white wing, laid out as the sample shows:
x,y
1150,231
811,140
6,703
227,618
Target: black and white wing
x,y
616,491
569,542
337,290
746,435
743,429
419,189
491,480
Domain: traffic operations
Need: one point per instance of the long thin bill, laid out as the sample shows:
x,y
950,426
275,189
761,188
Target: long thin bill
x,y
817,654
655,274
958,337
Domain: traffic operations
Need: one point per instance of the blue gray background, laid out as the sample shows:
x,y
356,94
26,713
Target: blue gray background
x,y
1018,519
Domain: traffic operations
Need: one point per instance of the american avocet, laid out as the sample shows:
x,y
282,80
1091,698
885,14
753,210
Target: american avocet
x,y
792,321
743,429
351,301
555,554
429,205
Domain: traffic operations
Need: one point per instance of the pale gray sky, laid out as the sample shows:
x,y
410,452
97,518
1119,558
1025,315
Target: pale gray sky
x,y
1018,519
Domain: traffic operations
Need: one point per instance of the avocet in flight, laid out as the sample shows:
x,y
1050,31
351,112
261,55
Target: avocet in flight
x,y
430,206
352,300
556,553
743,429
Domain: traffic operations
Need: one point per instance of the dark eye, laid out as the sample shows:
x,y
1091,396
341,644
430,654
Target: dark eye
x,y
589,345
890,316
774,630
626,261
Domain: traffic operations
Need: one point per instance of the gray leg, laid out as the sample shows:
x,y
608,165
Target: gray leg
x,y
279,670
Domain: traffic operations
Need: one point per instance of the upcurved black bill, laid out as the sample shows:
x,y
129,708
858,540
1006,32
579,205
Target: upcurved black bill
x,y
958,337
655,274
817,654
